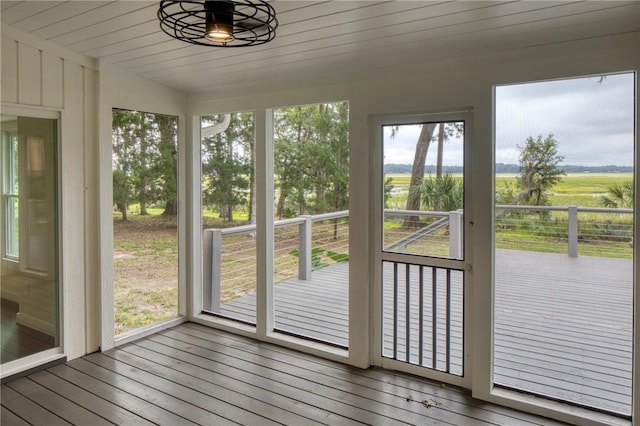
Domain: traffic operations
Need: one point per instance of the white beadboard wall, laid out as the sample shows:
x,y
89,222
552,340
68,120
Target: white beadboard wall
x,y
36,78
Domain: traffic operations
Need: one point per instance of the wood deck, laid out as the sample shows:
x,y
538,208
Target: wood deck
x,y
192,374
563,326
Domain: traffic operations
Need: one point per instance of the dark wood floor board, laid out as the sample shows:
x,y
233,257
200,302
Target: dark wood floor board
x,y
97,405
166,381
363,404
586,361
340,408
116,396
27,409
163,408
543,385
8,418
608,391
618,340
568,371
568,365
336,375
230,405
569,350
55,403
400,384
192,374
309,408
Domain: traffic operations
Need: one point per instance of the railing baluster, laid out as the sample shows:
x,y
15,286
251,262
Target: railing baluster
x,y
407,297
395,310
434,325
421,313
448,330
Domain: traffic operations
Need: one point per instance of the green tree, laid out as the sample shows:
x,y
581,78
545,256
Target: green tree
x,y
620,196
145,153
442,193
539,170
417,173
311,155
227,163
121,192
166,166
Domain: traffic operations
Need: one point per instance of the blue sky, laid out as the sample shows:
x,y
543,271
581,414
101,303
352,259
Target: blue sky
x,y
591,118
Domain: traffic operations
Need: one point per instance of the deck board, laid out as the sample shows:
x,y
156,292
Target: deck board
x,y
555,316
191,374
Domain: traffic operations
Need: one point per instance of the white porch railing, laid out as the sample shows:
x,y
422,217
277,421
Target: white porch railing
x,y
212,244
212,249
454,219
572,219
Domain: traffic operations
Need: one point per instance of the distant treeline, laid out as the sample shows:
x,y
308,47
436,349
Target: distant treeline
x,y
510,168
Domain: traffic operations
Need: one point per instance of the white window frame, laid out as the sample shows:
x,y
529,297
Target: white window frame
x,y
9,181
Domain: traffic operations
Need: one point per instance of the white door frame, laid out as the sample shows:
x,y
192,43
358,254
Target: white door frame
x,y
376,186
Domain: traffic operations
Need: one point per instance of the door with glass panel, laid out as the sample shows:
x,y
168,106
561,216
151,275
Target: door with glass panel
x,y
420,229
29,280
563,235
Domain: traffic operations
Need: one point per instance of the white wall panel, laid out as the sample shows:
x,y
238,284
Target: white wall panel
x,y
52,81
29,75
9,70
91,203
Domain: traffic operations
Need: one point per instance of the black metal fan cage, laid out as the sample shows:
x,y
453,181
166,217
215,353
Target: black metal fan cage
x,y
254,22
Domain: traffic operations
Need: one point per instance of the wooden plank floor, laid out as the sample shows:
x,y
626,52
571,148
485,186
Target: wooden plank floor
x,y
563,326
192,374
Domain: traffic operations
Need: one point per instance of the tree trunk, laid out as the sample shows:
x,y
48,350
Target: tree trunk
x,y
281,199
417,173
123,209
143,209
170,209
436,204
440,150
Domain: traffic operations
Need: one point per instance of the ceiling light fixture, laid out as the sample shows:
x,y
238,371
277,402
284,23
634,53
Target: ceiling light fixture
x,y
219,23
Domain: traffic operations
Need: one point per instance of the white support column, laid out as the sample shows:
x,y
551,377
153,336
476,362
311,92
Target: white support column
x,y
573,231
264,223
456,242
305,249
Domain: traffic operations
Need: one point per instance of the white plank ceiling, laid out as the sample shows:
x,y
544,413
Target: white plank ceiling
x,y
316,40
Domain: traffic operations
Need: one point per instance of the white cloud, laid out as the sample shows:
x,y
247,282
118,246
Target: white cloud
x,y
591,118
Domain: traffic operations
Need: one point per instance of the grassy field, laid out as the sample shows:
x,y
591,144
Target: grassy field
x,y
599,234
575,189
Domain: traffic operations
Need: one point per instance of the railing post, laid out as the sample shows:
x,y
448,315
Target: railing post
x,y
206,267
455,234
572,232
212,268
304,248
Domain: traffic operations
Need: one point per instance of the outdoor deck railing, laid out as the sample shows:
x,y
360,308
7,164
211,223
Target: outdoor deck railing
x,y
592,231
566,226
212,249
